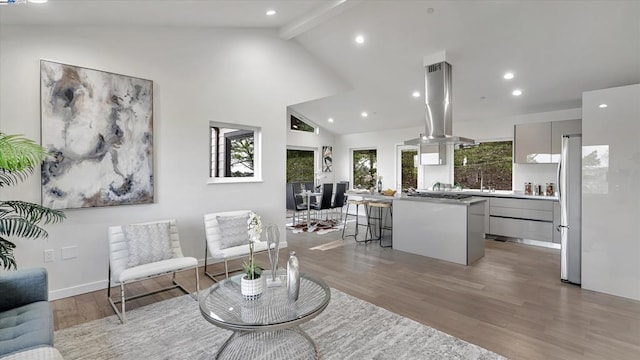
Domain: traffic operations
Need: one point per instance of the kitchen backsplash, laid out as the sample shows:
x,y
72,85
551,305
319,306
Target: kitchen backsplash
x,y
536,174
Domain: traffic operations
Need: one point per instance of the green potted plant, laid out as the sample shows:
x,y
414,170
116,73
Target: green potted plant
x,y
252,284
19,156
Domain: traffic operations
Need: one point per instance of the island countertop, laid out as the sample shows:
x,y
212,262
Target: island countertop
x,y
466,202
496,193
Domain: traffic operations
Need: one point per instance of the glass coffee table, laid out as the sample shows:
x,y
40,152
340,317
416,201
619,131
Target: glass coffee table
x,y
268,327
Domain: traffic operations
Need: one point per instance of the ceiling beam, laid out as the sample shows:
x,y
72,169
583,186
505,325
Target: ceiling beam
x,y
315,18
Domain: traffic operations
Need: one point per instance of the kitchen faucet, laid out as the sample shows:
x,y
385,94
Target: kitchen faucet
x,y
481,180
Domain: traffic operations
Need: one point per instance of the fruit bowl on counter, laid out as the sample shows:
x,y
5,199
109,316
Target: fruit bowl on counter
x,y
388,192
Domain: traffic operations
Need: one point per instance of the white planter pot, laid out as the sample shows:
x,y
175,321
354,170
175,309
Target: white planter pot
x,y
252,289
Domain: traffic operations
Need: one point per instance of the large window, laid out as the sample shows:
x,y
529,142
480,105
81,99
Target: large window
x,y
365,168
489,161
300,165
235,153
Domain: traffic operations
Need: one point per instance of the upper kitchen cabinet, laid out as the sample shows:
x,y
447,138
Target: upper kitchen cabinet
x,y
559,128
532,143
433,154
540,143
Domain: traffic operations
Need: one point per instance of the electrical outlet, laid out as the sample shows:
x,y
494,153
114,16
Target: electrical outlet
x,y
48,255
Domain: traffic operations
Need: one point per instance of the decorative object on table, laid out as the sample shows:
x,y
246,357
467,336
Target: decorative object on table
x,y
273,238
252,283
528,188
293,277
18,157
99,126
327,158
388,192
380,184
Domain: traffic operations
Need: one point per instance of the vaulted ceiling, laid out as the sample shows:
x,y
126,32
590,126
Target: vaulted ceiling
x,y
556,49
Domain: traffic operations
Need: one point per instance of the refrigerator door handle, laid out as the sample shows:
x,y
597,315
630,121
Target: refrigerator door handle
x,y
558,177
560,227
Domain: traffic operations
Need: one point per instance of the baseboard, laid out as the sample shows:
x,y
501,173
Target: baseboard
x,y
77,290
99,285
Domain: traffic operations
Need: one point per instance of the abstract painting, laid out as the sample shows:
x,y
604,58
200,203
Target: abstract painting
x,y
98,127
327,158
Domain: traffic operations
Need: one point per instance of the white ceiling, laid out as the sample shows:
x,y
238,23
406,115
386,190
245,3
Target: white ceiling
x,y
557,49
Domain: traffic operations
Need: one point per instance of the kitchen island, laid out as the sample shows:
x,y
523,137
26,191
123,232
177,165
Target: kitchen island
x,y
445,229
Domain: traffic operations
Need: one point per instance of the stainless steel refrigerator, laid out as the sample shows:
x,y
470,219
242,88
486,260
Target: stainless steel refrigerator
x,y
570,194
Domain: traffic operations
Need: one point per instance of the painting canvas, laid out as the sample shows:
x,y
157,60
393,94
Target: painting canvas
x,y
98,127
327,158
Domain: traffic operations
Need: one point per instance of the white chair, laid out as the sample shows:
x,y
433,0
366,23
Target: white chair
x,y
213,243
119,273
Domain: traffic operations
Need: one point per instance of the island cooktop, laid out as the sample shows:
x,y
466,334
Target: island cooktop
x,y
441,195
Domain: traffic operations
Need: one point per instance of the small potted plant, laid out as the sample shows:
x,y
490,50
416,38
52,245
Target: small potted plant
x,y
252,283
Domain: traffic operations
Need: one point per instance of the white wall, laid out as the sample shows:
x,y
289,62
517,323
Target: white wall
x,y
384,142
611,202
313,141
200,75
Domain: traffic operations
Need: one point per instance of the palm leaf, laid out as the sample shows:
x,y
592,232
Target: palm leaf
x,y
21,227
18,157
31,212
7,261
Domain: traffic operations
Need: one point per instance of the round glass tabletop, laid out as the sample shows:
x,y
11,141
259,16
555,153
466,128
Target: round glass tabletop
x,y
223,305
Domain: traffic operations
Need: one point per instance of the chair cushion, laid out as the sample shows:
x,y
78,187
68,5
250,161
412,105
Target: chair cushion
x,y
234,230
147,243
157,268
25,327
243,250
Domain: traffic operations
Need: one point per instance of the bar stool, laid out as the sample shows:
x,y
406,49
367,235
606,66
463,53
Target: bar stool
x,y
357,203
382,223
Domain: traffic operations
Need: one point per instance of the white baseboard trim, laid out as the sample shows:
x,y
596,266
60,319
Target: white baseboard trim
x,y
77,290
99,285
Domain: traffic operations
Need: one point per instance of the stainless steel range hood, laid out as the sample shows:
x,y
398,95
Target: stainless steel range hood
x,y
438,126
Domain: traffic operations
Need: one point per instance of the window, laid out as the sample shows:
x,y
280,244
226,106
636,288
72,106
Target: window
x,y
235,153
299,125
300,165
364,168
489,161
409,168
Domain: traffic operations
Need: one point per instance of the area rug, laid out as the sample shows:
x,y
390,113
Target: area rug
x,y
348,329
320,227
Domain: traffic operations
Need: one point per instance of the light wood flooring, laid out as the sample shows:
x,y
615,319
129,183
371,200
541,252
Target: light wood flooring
x,y
511,301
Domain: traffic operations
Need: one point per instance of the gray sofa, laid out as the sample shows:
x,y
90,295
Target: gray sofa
x,y
26,319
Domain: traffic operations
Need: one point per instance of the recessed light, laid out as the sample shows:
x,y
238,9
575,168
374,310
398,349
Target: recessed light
x,y
330,120
416,94
602,106
516,92
508,76
360,39
38,1
364,114
270,12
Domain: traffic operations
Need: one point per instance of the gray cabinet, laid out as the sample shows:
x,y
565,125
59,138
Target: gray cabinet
x,y
532,143
540,143
559,128
435,154
522,218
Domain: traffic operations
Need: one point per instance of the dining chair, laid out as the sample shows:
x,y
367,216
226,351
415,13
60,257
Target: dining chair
x,y
325,200
339,197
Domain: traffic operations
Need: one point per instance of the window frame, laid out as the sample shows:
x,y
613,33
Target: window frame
x,y
316,128
351,170
257,153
